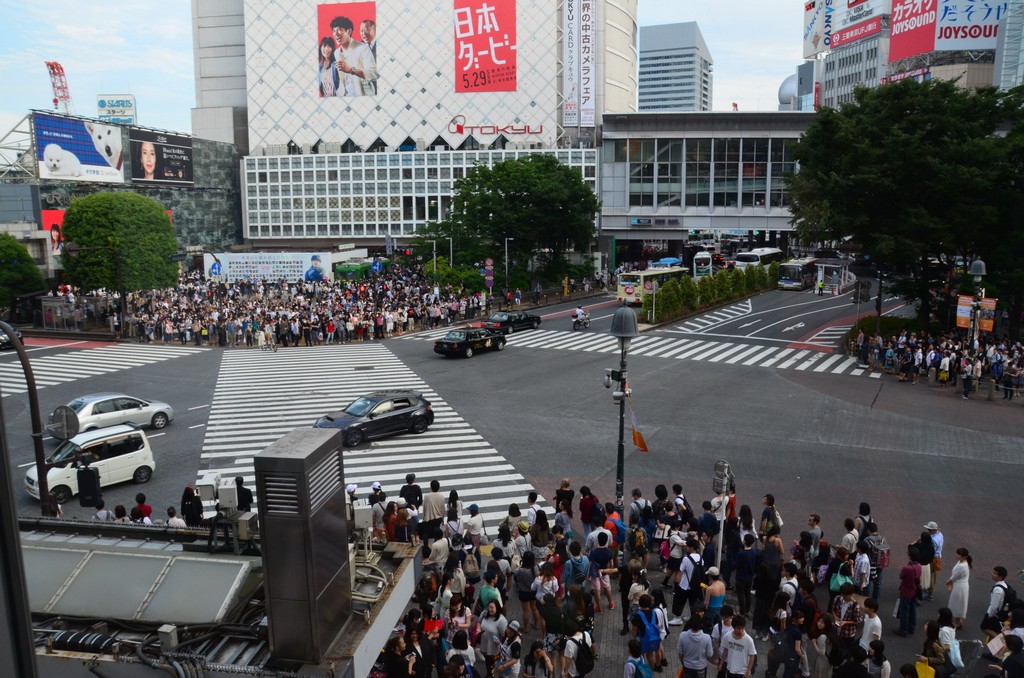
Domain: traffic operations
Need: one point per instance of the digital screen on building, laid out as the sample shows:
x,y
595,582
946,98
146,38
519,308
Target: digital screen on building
x,y
160,158
74,149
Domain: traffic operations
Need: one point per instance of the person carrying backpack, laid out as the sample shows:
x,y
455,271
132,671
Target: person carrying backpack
x,y
577,569
646,630
1001,600
636,666
578,655
688,588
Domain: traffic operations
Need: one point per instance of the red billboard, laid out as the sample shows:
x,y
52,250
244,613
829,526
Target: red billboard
x,y
485,45
347,49
913,28
857,31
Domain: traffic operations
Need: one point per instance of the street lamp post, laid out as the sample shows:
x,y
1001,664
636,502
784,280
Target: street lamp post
x,y
42,482
433,243
451,253
978,271
506,263
625,329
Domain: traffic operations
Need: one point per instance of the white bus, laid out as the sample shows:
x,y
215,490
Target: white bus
x,y
634,286
798,274
703,264
759,255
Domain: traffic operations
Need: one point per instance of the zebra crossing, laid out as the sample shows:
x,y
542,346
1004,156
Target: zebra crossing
x,y
830,335
706,321
261,396
716,351
60,368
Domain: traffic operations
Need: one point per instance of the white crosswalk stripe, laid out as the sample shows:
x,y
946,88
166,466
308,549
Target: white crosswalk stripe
x,y
261,396
715,351
716,317
830,336
60,368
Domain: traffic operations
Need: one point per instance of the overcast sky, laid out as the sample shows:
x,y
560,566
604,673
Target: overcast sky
x,y
144,47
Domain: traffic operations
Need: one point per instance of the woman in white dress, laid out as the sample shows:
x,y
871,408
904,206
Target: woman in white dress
x,y
959,585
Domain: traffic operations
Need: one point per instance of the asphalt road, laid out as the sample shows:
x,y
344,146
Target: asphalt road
x,y
821,442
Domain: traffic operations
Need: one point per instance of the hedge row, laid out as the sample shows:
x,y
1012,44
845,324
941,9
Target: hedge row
x,y
678,298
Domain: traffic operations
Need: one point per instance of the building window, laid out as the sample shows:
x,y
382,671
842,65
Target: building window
x,y
615,150
755,172
641,172
782,163
698,172
726,172
669,171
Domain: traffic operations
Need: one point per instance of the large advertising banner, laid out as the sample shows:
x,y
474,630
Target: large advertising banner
x,y
53,221
987,315
308,266
160,158
485,46
588,63
77,150
571,64
864,29
968,25
963,311
815,39
858,11
912,28
347,49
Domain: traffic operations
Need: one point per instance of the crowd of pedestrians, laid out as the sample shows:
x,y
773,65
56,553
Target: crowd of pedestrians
x,y
521,598
947,360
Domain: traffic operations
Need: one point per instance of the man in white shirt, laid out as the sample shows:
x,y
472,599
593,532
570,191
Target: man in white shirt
x,y
569,653
173,519
862,568
356,66
872,629
991,624
738,651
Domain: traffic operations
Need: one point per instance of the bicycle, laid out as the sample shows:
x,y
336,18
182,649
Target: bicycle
x,y
268,342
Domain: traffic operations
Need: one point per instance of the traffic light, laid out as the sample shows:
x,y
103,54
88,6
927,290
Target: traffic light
x,y
362,288
757,232
407,251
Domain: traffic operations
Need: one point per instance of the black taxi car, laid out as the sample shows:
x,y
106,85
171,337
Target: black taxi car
x,y
466,341
380,414
507,322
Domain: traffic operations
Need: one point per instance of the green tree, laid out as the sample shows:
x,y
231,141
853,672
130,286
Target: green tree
x,y
18,273
910,170
108,227
537,202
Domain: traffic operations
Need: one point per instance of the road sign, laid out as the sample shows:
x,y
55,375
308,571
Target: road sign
x,y
215,268
377,266
488,262
489,282
63,423
483,271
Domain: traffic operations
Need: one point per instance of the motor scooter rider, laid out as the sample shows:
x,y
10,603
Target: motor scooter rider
x,y
580,314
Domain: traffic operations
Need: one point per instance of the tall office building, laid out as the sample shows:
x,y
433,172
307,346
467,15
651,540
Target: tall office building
x,y
675,68
357,117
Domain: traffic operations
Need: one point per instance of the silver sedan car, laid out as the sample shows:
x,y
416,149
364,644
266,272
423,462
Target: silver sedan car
x,y
98,410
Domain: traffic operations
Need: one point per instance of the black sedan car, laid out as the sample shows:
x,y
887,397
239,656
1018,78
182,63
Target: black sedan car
x,y
5,341
507,322
381,414
467,341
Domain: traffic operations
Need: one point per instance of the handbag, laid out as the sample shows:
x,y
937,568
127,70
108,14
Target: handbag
x,y
924,670
954,654
838,579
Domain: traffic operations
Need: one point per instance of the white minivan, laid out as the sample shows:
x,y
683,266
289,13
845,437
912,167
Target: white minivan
x,y
120,453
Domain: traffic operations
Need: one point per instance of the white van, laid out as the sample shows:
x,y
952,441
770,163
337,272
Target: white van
x,y
120,453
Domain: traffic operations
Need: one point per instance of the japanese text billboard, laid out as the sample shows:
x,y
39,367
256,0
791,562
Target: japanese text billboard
x,y
292,266
347,49
78,150
588,63
968,24
485,45
816,40
571,63
160,158
864,29
913,28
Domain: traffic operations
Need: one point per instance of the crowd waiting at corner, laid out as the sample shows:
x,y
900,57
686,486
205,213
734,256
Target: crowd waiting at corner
x,y
521,598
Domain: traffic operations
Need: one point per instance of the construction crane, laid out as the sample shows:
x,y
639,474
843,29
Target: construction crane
x,y
61,94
